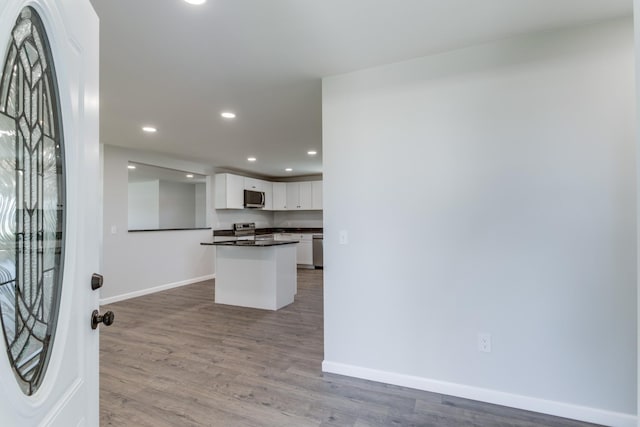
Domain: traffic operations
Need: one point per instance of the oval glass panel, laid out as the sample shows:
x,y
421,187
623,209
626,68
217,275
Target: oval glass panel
x,y
31,200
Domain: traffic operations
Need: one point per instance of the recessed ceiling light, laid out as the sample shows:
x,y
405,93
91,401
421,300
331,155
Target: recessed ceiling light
x,y
312,152
288,170
196,1
149,129
131,166
189,175
228,115
251,159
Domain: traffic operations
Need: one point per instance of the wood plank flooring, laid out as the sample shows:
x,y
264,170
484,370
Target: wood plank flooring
x,y
177,359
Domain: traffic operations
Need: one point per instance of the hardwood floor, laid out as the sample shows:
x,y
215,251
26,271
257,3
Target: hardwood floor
x,y
177,359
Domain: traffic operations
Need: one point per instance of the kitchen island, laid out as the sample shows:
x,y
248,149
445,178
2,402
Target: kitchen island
x,y
255,273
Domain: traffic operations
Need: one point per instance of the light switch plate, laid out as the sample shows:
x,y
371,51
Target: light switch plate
x,y
344,237
484,342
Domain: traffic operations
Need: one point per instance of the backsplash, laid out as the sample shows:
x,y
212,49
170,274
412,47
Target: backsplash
x,y
223,219
310,219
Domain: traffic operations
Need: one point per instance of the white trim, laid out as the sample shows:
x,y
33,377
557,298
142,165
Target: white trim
x,y
160,288
62,404
560,409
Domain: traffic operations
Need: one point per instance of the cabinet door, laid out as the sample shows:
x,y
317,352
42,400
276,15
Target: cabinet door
x,y
279,196
252,184
306,257
293,195
316,194
229,191
305,198
235,191
304,250
267,187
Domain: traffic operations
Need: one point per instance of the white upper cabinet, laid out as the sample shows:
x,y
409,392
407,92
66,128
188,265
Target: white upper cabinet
x,y
316,194
299,195
268,195
252,184
279,196
229,191
293,196
305,195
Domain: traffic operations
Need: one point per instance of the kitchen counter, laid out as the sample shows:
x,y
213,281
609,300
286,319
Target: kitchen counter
x,y
252,243
260,231
263,278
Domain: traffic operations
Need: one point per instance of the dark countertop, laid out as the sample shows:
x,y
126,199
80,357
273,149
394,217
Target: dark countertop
x,y
168,229
251,243
261,231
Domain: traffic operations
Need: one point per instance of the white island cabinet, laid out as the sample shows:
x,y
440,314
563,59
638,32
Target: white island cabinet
x,y
257,274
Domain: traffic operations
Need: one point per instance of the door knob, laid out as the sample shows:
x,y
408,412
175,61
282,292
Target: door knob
x,y
106,318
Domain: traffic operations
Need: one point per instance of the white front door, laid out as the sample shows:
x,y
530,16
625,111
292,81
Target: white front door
x,y
49,213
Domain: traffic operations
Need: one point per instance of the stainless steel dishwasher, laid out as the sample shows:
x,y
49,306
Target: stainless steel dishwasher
x,y
317,251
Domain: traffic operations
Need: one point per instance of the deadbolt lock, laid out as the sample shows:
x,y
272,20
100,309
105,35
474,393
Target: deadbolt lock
x,y
96,281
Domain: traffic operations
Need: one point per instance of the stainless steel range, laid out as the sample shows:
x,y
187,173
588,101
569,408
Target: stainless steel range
x,y
245,230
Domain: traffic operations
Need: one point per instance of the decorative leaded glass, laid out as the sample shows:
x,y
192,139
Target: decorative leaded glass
x,y
31,200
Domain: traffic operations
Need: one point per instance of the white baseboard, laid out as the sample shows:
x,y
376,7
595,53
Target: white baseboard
x,y
560,409
129,295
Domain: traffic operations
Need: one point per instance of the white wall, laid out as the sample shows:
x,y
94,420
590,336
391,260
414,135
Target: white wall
x,y
177,204
201,205
143,199
141,262
636,26
495,192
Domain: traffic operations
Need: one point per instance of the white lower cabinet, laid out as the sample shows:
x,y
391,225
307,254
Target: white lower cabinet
x,y
304,248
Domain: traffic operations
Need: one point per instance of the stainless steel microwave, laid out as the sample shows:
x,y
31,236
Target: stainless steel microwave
x,y
253,199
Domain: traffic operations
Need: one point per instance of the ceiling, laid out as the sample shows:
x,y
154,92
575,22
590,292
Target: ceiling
x,y
176,66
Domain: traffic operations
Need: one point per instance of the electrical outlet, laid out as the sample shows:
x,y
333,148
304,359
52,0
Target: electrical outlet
x,y
344,237
484,342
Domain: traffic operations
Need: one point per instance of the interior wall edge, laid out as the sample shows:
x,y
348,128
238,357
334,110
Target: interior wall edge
x,y
636,26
